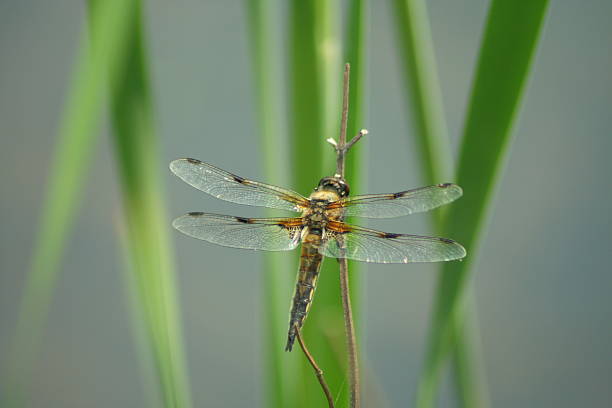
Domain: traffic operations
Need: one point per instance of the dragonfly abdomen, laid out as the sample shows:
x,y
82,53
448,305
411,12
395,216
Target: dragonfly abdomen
x,y
308,273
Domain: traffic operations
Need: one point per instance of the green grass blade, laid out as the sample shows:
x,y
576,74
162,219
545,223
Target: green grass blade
x,y
355,171
315,81
355,54
279,373
148,376
503,65
421,77
355,51
307,121
420,73
146,221
467,358
77,137
330,66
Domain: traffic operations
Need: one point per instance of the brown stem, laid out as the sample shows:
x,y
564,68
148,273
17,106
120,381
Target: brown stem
x,y
349,327
343,123
318,371
342,147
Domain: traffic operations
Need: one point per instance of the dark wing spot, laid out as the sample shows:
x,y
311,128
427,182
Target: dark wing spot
x,y
446,240
238,179
389,235
196,214
243,220
445,185
193,161
398,195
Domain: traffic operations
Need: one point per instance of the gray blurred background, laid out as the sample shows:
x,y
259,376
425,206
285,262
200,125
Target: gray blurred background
x,y
542,284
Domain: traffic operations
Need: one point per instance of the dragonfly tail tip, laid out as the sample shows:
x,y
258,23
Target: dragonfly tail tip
x,y
290,341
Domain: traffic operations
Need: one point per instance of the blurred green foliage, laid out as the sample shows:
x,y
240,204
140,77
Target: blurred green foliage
x,y
149,249
98,60
502,70
116,59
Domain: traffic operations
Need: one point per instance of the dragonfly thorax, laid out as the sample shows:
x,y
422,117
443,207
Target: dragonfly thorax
x,y
317,216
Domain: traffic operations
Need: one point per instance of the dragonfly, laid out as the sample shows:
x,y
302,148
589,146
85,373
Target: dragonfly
x,y
320,229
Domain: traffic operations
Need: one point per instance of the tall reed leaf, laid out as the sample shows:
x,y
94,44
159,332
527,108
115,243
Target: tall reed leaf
x,y
77,136
510,38
315,81
422,82
425,97
278,277
306,128
355,52
145,217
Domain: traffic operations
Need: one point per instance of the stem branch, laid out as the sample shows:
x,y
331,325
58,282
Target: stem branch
x,y
318,371
342,147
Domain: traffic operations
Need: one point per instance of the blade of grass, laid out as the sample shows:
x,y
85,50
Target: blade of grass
x,y
355,50
329,65
414,35
354,54
77,136
277,267
146,221
148,377
468,365
306,126
309,119
315,81
425,98
503,66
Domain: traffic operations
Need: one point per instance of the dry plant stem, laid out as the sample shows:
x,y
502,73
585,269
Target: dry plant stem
x,y
342,147
318,371
343,123
349,326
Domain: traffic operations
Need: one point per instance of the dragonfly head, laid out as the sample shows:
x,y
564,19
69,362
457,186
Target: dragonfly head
x,y
335,184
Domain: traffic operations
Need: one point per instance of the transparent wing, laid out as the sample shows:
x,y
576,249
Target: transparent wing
x,y
399,204
227,186
366,245
268,234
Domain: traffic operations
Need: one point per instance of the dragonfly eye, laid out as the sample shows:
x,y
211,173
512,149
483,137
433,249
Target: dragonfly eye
x,y
337,185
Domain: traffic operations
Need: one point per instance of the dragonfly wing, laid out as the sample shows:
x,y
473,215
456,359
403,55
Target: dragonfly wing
x,y
399,204
230,187
366,245
268,234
